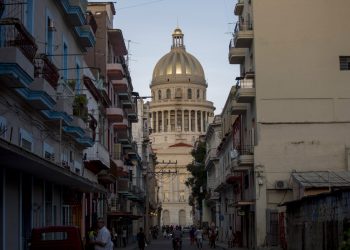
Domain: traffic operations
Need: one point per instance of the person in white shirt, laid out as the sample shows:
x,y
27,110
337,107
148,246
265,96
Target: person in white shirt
x,y
103,239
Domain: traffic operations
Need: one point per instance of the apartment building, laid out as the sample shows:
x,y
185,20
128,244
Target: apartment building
x,y
45,124
292,100
124,178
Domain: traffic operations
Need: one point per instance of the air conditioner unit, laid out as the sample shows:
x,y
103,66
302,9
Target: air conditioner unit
x,y
234,153
281,184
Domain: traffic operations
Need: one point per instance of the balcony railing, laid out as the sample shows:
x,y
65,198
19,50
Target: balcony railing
x,y
14,34
243,26
44,68
243,34
245,84
245,149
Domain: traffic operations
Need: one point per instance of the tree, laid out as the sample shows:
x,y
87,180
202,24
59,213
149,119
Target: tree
x,y
197,182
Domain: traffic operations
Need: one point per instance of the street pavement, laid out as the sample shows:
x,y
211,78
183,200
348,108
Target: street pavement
x,y
166,244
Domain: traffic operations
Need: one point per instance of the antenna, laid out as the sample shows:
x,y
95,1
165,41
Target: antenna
x,y
128,54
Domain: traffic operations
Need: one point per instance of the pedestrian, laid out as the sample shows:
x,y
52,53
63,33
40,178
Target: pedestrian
x,y
124,236
114,237
103,239
141,239
192,235
229,236
212,237
198,234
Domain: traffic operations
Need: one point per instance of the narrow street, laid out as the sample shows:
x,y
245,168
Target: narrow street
x,y
161,244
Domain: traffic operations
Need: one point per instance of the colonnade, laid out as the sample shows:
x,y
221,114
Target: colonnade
x,y
179,121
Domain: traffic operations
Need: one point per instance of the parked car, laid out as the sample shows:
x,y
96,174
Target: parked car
x,y
56,238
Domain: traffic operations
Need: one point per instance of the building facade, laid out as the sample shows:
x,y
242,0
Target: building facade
x,y
44,132
179,114
291,103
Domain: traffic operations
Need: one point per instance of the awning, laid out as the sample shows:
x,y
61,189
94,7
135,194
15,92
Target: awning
x,y
14,157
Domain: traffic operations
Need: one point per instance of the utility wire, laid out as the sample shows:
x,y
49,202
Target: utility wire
x,y
141,4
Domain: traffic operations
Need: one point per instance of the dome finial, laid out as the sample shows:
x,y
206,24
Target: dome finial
x,y
178,38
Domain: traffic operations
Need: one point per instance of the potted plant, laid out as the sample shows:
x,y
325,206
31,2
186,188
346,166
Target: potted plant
x,y
80,107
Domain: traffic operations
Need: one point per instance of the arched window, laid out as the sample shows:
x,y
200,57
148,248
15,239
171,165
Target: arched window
x,y
168,94
178,93
166,217
189,94
159,94
182,217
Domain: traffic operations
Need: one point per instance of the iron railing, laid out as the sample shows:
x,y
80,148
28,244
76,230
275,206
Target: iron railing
x,y
14,34
44,68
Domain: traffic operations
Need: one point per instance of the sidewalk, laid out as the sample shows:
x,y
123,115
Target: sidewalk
x,y
223,245
130,246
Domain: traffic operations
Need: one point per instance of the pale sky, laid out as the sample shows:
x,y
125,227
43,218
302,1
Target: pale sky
x,y
207,26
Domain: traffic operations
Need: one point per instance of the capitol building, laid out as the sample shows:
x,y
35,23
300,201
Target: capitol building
x,y
180,113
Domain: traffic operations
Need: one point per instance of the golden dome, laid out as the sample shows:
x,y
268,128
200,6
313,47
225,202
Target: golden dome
x,y
178,64
177,31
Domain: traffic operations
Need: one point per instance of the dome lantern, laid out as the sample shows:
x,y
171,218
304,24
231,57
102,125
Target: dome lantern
x,y
178,38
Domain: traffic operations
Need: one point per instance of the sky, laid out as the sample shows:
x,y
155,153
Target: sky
x,y
207,25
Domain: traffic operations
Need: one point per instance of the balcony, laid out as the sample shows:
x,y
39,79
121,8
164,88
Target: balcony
x,y
86,36
124,138
85,141
132,114
211,158
243,35
38,99
115,37
239,7
115,114
236,55
115,71
75,11
120,126
233,178
238,108
17,51
245,156
121,86
125,96
104,177
126,104
123,185
57,117
97,158
65,98
245,90
45,69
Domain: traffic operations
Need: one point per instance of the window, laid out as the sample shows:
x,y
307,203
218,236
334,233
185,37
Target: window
x,y
48,152
168,94
197,93
3,127
344,62
159,94
189,94
178,93
25,140
50,37
65,61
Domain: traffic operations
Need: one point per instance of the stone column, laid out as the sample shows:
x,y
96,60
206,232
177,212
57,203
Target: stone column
x,y
183,120
163,121
195,121
189,121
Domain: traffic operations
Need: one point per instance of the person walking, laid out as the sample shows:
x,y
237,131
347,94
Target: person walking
x,y
124,236
103,239
229,237
141,239
198,234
